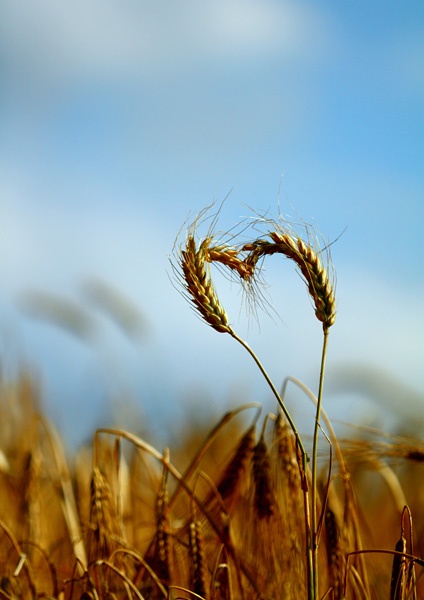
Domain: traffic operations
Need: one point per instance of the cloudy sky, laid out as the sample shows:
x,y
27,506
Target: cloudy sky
x,y
120,120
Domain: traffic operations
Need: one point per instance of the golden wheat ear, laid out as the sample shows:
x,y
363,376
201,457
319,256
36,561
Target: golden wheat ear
x,y
104,531
403,580
264,500
229,257
234,474
309,264
199,572
198,284
163,559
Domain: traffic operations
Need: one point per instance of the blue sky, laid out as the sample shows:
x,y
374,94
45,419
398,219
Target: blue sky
x,y
118,121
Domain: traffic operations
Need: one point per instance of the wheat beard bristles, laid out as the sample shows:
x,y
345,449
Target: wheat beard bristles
x,y
199,286
310,266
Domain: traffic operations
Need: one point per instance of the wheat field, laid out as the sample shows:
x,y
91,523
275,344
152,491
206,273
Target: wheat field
x,y
243,509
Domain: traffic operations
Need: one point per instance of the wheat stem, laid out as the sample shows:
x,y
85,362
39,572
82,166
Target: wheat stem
x,y
314,461
272,387
302,466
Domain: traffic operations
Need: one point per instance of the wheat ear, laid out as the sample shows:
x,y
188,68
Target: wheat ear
x,y
229,484
104,531
199,569
309,264
335,555
199,287
264,500
163,525
229,257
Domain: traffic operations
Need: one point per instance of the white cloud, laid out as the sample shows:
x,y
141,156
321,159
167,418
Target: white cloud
x,y
56,41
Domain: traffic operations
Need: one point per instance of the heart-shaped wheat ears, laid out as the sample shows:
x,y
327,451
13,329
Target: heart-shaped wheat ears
x,y
193,262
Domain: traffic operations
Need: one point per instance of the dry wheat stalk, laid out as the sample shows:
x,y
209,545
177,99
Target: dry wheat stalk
x,y
222,588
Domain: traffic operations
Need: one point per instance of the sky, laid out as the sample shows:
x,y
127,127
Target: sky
x,y
120,122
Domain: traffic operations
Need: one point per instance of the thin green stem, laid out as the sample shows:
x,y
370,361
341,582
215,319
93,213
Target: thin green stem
x,y
314,463
310,532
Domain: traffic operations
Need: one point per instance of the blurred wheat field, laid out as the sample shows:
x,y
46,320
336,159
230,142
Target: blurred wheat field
x,y
223,518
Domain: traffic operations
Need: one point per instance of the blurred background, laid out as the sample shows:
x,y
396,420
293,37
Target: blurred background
x,y
120,121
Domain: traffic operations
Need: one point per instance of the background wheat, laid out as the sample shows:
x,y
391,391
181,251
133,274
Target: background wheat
x,y
243,544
